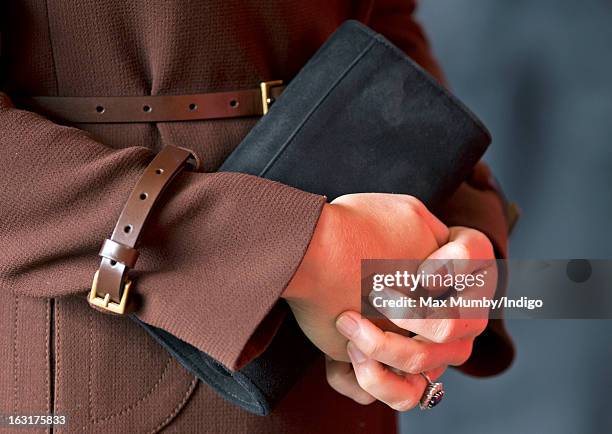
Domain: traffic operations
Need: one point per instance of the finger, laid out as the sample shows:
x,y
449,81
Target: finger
x,y
400,392
437,324
444,330
467,251
341,377
401,352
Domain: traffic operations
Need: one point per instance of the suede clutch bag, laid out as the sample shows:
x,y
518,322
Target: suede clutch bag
x,y
359,117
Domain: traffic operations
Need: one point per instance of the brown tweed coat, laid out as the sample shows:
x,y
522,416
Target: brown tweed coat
x,y
218,237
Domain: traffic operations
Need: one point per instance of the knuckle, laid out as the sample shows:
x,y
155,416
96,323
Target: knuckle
x,y
373,348
464,353
339,355
416,363
480,238
367,383
404,405
367,379
334,379
364,399
480,241
444,330
460,251
480,325
414,203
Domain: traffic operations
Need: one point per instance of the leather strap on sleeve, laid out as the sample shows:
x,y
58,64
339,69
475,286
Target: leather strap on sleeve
x,y
110,288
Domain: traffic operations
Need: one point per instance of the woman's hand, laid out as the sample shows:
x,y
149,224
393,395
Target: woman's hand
x,y
385,365
351,228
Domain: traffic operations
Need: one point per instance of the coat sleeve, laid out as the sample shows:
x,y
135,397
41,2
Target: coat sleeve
x,y
478,203
215,256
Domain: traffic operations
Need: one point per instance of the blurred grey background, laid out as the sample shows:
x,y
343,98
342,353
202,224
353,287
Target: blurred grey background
x,y
539,73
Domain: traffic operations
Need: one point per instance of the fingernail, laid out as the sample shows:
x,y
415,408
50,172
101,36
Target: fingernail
x,y
347,326
354,353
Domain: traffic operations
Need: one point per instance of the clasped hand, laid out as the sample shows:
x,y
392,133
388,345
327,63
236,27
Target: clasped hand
x,y
368,361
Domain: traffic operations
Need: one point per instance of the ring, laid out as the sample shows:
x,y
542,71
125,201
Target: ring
x,y
432,395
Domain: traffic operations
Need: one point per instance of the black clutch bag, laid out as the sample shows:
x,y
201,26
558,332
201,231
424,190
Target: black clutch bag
x,y
359,117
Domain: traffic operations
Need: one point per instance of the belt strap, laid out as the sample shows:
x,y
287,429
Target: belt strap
x,y
110,287
163,108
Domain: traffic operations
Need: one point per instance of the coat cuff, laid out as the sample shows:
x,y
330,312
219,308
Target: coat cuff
x,y
222,266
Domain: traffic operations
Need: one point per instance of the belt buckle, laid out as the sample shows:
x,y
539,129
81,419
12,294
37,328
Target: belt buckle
x,y
266,97
104,303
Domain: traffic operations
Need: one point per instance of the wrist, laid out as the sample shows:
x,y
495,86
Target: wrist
x,y
305,277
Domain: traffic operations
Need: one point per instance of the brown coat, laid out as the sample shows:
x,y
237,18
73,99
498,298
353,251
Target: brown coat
x,y
220,243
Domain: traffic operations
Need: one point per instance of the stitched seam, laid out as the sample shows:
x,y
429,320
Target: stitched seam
x,y
89,378
210,378
212,381
95,420
48,359
136,404
218,384
245,385
178,408
58,352
312,110
15,356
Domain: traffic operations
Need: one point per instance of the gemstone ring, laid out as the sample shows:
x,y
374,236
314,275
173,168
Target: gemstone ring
x,y
432,395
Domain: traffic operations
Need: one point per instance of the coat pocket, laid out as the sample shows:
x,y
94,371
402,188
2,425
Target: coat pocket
x,y
112,376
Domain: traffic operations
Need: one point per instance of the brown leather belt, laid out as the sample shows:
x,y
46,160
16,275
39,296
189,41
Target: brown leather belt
x,y
110,287
163,108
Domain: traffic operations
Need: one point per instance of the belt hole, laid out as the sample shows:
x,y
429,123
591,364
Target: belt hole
x,y
143,196
234,103
159,171
113,262
100,109
147,109
193,107
127,229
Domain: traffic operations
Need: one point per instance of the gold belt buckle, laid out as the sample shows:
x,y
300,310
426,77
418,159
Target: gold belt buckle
x,y
266,98
105,303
